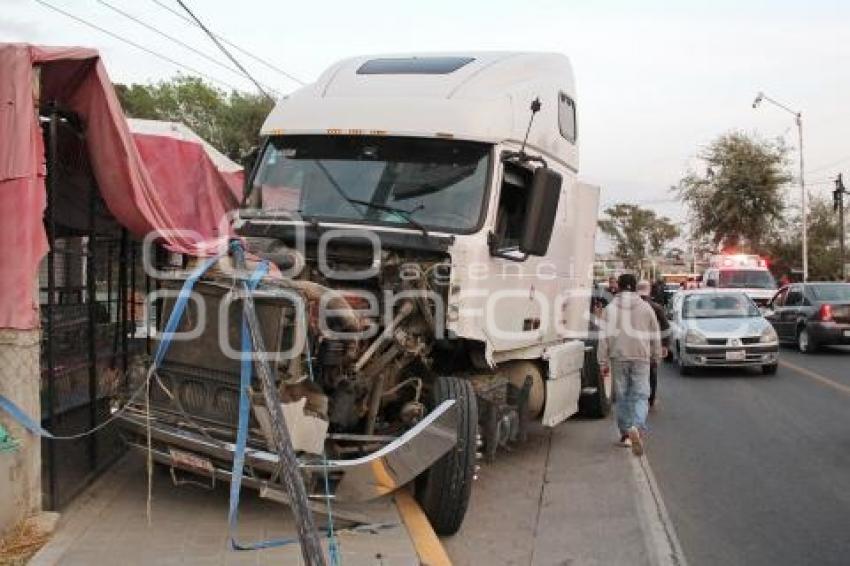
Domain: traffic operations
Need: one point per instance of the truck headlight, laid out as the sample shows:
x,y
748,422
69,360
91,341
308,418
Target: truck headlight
x,y
768,335
695,337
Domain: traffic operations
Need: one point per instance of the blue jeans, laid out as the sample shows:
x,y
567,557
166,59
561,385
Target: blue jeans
x,y
631,385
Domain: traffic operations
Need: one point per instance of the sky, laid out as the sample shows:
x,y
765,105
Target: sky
x,y
657,80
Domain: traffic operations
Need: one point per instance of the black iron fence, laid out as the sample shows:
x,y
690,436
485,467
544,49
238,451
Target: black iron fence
x,y
91,287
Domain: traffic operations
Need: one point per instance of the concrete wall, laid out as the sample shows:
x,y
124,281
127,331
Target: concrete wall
x,y
20,470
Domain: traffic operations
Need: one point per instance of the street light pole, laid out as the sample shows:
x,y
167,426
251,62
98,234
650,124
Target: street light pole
x,y
798,118
804,200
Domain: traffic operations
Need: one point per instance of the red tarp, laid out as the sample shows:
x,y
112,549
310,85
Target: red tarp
x,y
155,183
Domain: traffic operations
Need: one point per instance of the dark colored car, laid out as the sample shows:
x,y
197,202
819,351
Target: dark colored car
x,y
811,314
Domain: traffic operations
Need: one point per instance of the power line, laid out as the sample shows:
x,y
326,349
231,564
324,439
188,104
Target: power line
x,y
136,45
174,40
245,52
828,165
225,51
169,37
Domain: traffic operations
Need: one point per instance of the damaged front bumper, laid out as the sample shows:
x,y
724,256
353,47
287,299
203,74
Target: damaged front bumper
x,y
357,479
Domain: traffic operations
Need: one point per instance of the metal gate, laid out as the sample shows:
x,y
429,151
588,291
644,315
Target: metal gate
x,y
89,308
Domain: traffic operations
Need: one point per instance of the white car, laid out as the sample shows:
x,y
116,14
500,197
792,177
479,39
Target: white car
x,y
720,328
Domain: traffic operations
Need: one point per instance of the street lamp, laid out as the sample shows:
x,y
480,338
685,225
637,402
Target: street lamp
x,y
798,118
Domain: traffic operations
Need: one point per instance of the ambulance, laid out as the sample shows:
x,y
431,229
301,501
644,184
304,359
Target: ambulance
x,y
746,272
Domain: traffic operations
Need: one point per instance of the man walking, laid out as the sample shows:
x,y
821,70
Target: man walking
x,y
643,289
630,340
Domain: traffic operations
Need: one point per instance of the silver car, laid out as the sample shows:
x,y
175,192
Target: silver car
x,y
720,328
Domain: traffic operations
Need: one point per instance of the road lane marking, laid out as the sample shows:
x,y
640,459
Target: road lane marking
x,y
662,542
425,540
816,376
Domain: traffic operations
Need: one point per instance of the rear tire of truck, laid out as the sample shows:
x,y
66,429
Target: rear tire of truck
x,y
595,405
444,490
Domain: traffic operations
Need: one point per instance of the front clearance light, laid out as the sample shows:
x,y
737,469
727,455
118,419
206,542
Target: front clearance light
x,y
695,337
768,335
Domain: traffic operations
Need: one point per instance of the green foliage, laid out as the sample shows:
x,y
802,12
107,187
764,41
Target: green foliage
x,y
737,201
785,249
637,232
230,122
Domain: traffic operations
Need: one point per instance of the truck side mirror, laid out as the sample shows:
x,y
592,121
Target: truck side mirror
x,y
540,215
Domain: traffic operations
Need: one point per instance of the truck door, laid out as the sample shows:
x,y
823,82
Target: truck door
x,y
515,292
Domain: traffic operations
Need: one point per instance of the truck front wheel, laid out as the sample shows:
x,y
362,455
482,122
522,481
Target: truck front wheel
x,y
443,491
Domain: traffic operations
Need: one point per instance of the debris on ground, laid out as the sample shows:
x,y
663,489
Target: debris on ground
x,y
26,539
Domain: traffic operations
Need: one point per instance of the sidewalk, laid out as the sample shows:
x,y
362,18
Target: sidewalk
x,y
108,525
570,496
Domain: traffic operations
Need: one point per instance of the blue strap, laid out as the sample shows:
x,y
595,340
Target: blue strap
x,y
22,418
242,430
179,307
28,423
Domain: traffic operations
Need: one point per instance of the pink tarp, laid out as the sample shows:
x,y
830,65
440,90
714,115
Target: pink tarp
x,y
154,183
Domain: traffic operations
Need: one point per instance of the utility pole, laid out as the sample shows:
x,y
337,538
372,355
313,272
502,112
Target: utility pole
x,y
838,205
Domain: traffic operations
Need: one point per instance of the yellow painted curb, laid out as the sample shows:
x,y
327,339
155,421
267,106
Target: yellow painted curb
x,y
425,540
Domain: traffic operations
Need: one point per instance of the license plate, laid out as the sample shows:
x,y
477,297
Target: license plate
x,y
191,462
736,355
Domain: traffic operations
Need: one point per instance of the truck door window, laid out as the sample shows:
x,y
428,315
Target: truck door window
x,y
513,199
567,117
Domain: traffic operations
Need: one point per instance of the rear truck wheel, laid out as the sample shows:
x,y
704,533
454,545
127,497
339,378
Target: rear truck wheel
x,y
443,491
769,369
804,341
596,402
684,369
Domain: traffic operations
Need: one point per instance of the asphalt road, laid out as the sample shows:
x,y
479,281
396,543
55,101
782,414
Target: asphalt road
x,y
756,469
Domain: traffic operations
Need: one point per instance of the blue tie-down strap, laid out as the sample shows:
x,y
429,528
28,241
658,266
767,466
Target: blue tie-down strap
x,y
183,296
245,376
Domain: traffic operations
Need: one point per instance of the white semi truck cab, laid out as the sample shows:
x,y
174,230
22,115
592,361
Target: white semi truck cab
x,y
425,209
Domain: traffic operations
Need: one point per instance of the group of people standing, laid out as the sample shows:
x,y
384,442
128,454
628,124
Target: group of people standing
x,y
632,341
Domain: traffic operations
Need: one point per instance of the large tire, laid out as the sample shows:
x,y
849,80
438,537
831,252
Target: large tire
x,y
595,405
443,491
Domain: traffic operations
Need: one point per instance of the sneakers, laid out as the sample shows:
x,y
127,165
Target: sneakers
x,y
625,441
636,441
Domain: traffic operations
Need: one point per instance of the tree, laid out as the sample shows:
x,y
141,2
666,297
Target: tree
x,y
638,233
230,122
785,251
737,200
